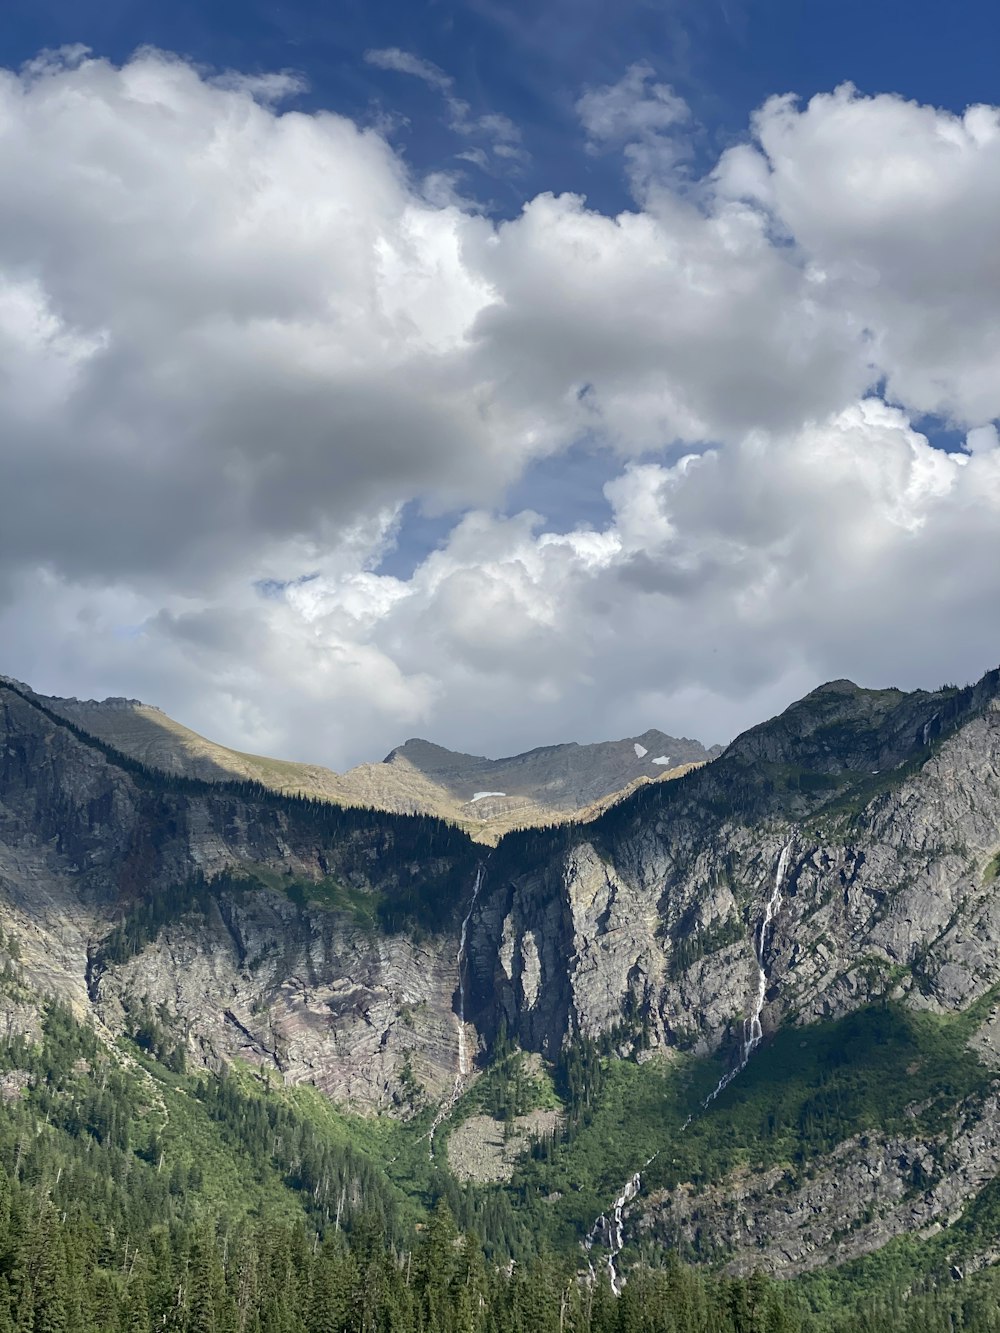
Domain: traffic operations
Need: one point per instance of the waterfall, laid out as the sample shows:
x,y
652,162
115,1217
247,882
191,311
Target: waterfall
x,y
463,1055
462,941
611,1232
753,1032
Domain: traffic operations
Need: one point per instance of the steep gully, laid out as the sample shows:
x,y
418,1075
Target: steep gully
x,y
610,1231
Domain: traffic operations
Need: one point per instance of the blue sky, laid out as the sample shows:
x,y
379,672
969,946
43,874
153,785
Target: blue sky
x,y
327,430
531,60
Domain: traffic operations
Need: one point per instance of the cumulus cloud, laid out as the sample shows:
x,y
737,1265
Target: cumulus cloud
x,y
724,585
891,202
235,341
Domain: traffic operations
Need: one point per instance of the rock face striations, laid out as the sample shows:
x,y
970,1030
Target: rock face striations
x,y
840,855
889,805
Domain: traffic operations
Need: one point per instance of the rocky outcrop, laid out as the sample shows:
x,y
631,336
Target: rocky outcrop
x,y
302,992
866,1191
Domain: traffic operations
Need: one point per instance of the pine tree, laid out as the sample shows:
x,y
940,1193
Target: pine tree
x,y
205,1285
135,1302
49,1286
334,1278
436,1266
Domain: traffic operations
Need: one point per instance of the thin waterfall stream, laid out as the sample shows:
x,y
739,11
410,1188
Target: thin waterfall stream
x,y
462,945
753,1033
611,1231
463,1051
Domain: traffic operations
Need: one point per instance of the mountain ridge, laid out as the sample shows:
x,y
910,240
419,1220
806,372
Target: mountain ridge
x,y
548,784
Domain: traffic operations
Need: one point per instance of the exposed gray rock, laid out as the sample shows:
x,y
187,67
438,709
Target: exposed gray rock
x,y
487,1151
303,989
555,777
866,1191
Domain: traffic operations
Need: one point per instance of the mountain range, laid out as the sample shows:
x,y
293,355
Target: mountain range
x,y
486,796
750,1016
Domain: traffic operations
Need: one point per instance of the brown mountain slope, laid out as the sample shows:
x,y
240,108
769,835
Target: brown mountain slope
x,y
486,796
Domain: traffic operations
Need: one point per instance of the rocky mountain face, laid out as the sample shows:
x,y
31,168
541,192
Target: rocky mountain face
x,y
842,855
845,853
544,785
297,957
486,796
889,805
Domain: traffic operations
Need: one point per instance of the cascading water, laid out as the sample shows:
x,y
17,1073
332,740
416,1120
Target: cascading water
x,y
462,942
463,1055
610,1232
753,1032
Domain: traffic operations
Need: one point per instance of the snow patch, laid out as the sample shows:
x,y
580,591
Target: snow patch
x,y
640,750
481,795
663,759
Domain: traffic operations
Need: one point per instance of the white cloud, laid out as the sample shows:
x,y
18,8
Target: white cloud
x,y
234,342
725,585
892,204
644,117
982,439
270,89
500,132
405,62
633,108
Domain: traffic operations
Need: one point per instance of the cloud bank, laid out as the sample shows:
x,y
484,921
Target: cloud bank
x,y
236,340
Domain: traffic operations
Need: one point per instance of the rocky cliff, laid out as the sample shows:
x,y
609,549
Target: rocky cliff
x,y
318,940
844,853
889,805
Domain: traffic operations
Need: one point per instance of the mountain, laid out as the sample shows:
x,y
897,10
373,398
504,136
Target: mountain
x,y
756,1008
487,796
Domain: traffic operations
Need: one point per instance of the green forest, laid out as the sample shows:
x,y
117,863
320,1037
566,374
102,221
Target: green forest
x,y
134,1196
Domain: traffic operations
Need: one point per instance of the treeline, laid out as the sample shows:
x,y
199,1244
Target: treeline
x,y
59,1273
